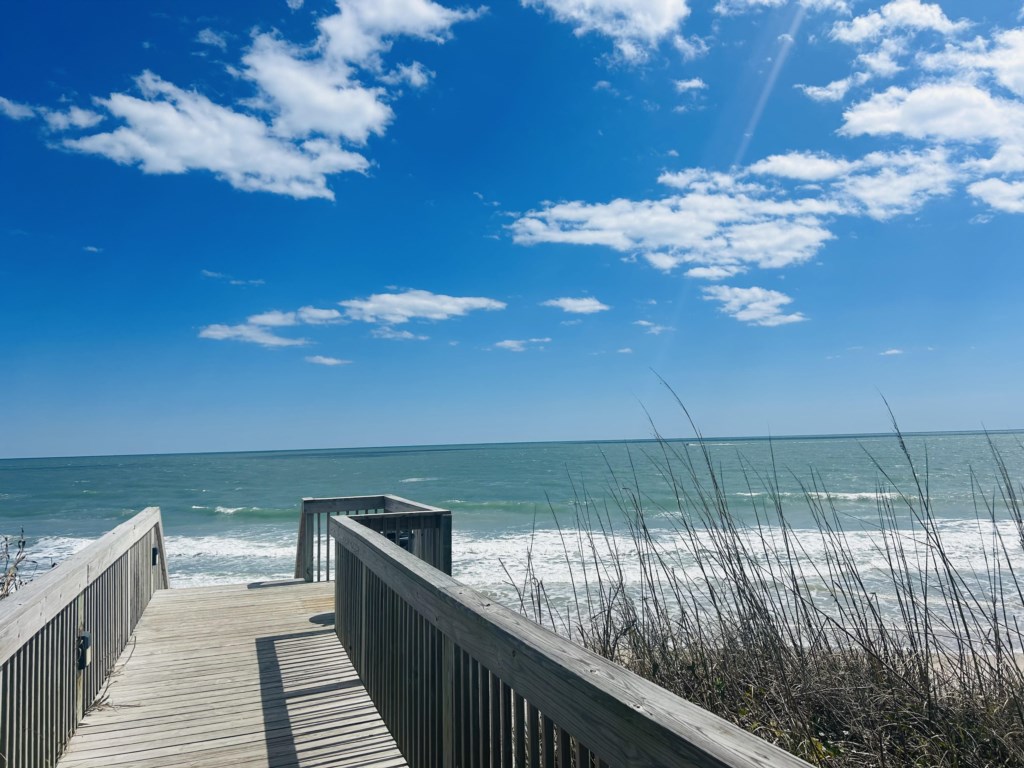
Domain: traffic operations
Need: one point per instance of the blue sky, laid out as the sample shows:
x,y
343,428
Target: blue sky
x,y
310,224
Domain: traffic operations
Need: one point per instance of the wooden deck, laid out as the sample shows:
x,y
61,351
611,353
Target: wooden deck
x,y
240,676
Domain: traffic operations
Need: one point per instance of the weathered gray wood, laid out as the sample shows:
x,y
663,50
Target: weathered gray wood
x,y
624,718
29,609
386,514
102,589
398,504
228,675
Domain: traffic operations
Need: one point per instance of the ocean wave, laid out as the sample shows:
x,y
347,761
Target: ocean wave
x,y
857,495
824,495
259,513
229,547
56,548
417,479
565,561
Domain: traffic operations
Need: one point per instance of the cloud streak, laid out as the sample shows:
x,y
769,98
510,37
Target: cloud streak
x,y
397,308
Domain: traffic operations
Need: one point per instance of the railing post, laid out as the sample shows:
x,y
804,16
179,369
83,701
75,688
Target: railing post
x,y
448,694
445,563
307,544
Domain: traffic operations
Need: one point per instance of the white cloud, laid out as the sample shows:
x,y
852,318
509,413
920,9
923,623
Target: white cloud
x,y
253,334
957,111
718,220
690,48
803,166
175,131
693,84
313,95
209,37
1001,195
364,29
74,117
890,184
387,332
653,328
891,352
884,36
581,306
836,90
415,74
754,306
1002,58
295,4
210,274
303,316
714,273
520,345
16,111
324,360
318,316
625,351
273,319
292,135
635,27
882,61
734,7
396,308
840,6
898,15
92,249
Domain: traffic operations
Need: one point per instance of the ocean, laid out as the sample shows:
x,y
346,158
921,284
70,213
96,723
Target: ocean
x,y
232,517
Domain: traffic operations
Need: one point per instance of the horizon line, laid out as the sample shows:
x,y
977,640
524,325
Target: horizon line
x,y
600,441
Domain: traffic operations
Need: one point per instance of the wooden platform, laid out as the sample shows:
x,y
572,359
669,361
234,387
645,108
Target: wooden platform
x,y
238,676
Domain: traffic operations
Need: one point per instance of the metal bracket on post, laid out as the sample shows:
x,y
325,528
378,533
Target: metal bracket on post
x,y
79,670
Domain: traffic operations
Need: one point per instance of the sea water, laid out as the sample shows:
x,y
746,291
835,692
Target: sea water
x,y
232,517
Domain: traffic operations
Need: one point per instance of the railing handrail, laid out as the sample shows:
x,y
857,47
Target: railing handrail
x,y
589,696
33,606
386,501
312,510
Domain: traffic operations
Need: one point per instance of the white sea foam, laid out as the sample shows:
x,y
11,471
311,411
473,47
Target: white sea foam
x,y
197,506
181,580
564,561
228,510
229,547
417,479
57,548
857,495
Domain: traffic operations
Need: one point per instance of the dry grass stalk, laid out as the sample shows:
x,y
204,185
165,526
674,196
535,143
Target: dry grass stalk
x,y
929,677
11,563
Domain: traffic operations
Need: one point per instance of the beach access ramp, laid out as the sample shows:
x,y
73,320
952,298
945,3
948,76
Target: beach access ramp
x,y
373,656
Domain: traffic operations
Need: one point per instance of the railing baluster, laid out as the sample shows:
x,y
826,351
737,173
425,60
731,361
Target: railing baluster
x,y
533,725
462,682
520,731
42,692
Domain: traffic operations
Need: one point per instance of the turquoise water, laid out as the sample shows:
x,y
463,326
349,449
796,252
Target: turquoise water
x,y
232,517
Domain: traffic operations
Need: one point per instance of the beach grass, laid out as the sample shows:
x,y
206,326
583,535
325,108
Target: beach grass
x,y
912,659
12,561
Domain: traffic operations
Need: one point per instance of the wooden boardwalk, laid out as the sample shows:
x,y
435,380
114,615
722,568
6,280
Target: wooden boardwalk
x,y
240,676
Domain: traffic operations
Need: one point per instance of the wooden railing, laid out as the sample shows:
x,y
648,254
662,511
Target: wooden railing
x,y
463,682
61,634
419,528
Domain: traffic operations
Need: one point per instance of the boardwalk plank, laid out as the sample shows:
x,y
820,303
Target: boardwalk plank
x,y
247,676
